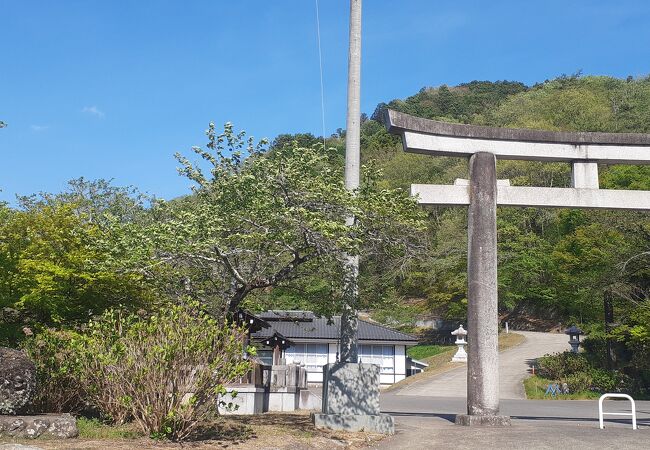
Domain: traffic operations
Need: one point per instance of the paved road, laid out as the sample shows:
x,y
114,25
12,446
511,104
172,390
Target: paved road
x,y
424,412
427,423
514,366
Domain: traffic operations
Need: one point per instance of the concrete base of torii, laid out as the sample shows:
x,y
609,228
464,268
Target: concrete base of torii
x,y
482,308
469,420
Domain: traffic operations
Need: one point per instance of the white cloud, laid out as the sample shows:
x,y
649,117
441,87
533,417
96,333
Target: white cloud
x,y
93,111
39,128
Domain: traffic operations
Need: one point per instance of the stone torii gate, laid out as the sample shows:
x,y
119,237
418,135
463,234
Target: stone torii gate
x,y
482,193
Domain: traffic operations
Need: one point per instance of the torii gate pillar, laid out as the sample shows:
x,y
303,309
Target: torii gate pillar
x,y
482,307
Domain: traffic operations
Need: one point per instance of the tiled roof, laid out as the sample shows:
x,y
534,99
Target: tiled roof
x,y
305,325
286,315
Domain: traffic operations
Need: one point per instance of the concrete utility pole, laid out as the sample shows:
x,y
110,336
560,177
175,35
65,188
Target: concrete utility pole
x,y
349,324
351,390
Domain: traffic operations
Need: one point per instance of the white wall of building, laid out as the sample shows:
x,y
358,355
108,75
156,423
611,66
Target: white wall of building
x,y
391,359
333,351
400,363
314,377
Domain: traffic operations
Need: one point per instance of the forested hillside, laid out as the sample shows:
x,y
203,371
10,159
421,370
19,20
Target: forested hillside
x,y
63,259
554,265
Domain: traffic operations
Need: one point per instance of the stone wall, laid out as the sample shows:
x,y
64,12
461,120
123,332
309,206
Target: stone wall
x,y
283,387
17,381
45,425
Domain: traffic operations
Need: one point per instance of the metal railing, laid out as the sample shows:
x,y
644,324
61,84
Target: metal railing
x,y
601,412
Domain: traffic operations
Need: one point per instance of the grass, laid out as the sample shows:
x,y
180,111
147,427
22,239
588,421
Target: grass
x,y
422,351
509,340
269,430
95,429
536,386
441,359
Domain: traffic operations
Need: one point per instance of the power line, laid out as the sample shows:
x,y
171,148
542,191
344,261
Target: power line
x,y
320,61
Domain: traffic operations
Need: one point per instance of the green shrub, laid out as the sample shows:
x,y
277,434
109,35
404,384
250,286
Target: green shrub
x,y
57,371
577,371
578,381
166,371
606,381
560,365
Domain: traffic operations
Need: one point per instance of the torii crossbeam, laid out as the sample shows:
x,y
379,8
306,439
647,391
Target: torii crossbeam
x,y
483,145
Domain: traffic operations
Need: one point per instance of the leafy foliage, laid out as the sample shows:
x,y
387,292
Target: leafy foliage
x,y
53,271
57,371
264,227
560,365
579,373
259,219
554,261
166,371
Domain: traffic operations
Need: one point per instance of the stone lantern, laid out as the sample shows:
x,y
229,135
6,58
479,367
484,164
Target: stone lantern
x,y
461,354
574,337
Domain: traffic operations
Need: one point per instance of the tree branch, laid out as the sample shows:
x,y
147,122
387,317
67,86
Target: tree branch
x,y
234,272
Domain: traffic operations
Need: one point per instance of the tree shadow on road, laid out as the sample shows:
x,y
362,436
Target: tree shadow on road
x,y
452,418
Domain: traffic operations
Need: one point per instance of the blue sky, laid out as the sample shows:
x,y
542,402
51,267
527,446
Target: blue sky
x,y
112,88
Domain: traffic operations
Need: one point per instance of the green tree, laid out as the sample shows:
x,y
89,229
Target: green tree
x,y
51,258
258,220
302,140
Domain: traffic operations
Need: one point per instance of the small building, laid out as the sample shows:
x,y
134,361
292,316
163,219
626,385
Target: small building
x,y
300,337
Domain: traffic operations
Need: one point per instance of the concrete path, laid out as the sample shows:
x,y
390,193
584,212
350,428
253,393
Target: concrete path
x,y
427,423
514,366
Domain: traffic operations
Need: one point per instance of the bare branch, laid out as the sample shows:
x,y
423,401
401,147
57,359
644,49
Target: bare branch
x,y
235,273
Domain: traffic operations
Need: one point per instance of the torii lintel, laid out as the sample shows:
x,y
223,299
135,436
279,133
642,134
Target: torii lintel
x,y
583,150
432,137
